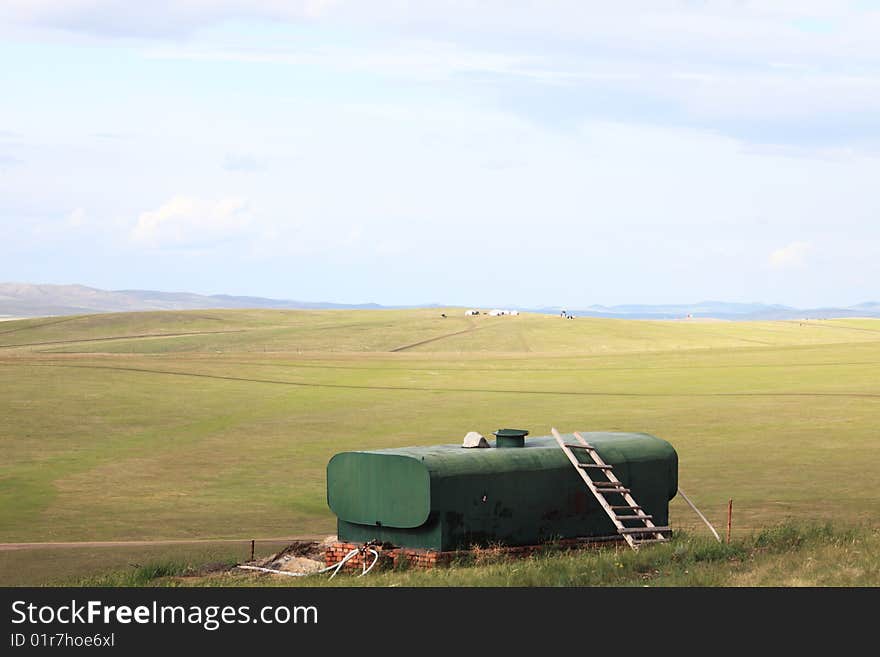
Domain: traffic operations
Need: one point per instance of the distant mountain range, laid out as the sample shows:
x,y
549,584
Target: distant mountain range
x,y
725,310
29,300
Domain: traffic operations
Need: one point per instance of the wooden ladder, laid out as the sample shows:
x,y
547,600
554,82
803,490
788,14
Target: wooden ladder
x,y
645,531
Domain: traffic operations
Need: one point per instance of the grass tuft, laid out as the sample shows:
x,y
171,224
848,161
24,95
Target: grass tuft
x,y
150,574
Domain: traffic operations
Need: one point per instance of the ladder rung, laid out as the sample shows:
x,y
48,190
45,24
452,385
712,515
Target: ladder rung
x,y
612,491
643,530
577,446
643,517
626,506
595,465
650,540
606,484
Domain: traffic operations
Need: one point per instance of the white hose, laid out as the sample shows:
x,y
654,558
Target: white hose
x,y
273,571
697,511
375,561
335,567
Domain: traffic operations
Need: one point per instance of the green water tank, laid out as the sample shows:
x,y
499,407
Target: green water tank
x,y
446,497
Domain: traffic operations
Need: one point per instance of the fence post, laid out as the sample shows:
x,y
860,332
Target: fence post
x,y
729,518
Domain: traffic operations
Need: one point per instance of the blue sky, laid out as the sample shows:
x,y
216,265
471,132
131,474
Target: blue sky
x,y
475,153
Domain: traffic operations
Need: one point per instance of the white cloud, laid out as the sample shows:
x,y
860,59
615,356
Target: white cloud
x,y
793,255
77,218
243,162
185,221
156,19
417,59
9,161
727,26
783,72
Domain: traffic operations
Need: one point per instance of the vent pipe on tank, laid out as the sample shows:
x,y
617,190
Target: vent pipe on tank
x,y
510,437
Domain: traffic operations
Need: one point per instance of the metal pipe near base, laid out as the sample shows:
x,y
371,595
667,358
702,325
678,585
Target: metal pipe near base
x,y
697,511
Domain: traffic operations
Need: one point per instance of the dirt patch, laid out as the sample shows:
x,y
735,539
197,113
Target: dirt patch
x,y
303,557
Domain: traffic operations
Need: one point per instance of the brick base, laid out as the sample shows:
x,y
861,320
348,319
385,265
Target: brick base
x,y
392,557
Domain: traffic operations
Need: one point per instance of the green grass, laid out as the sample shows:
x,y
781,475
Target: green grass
x,y
52,565
784,555
226,432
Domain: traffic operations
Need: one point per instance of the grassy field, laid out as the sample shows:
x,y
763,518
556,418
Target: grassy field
x,y
219,424
782,555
